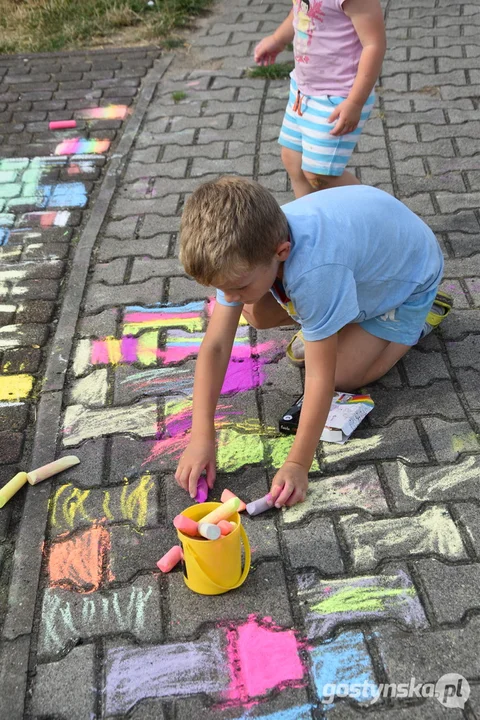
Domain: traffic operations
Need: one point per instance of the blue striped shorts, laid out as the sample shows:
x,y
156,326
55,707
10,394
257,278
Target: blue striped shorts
x,y
309,134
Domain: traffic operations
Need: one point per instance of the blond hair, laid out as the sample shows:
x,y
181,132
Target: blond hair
x,y
229,226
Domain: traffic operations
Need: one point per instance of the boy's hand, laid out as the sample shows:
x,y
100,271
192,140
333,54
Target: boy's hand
x,y
199,456
289,486
267,50
348,114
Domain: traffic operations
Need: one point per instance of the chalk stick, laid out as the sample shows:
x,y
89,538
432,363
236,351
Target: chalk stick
x,y
12,487
170,559
223,512
226,527
228,495
186,525
259,506
46,471
202,490
62,124
209,531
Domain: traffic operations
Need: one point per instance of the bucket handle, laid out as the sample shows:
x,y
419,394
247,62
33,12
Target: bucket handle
x,y
246,566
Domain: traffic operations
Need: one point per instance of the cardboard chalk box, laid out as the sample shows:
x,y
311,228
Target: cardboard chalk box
x,y
346,413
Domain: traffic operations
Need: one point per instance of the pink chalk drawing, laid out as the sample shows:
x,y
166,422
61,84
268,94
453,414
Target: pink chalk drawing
x,y
82,146
254,650
111,112
239,664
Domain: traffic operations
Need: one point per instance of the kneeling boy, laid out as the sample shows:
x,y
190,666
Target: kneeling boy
x,y
353,266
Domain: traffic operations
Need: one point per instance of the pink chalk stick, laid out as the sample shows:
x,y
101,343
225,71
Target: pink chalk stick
x,y
170,559
202,490
186,525
62,124
228,495
226,527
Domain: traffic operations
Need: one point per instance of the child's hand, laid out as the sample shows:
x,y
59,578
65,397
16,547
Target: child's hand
x,y
267,50
289,485
348,115
199,456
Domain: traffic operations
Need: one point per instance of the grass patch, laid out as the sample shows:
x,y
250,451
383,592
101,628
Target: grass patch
x,y
178,96
48,25
277,71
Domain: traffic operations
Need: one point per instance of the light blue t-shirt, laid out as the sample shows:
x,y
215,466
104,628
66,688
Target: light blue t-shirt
x,y
357,253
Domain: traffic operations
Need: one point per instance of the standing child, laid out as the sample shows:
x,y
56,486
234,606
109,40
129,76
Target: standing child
x,y
353,266
338,48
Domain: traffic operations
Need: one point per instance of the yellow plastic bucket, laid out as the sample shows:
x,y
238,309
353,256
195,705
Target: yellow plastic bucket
x,y
213,567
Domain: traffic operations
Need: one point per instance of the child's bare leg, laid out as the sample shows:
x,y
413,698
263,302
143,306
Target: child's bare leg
x,y
363,358
266,313
292,162
322,182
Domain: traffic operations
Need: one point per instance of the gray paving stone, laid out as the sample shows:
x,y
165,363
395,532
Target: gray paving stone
x,y
469,514
129,458
315,545
70,616
89,472
112,248
153,225
99,295
133,551
66,687
428,655
439,399
423,368
452,590
134,503
99,325
432,532
110,273
413,486
146,268
264,589
122,229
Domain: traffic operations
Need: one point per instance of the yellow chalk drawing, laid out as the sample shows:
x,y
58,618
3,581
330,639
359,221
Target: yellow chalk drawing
x,y
147,348
105,506
70,505
462,443
136,501
15,387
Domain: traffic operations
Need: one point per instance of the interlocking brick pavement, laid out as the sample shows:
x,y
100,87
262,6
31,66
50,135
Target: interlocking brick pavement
x,y
374,579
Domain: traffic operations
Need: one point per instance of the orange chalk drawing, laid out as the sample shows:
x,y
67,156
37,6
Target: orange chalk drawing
x,y
79,563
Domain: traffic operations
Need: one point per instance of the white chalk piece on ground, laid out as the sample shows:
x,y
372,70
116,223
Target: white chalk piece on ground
x,y
209,531
46,471
259,506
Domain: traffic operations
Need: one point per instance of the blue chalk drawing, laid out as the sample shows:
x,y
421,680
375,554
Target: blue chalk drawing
x,y
67,195
344,660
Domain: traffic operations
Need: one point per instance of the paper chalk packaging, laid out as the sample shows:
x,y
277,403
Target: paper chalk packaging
x,y
346,413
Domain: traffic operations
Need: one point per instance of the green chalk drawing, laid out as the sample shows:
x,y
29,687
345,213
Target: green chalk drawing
x,y
359,599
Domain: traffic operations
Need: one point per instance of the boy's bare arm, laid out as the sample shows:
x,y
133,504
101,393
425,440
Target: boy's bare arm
x,y
320,363
367,19
210,370
267,49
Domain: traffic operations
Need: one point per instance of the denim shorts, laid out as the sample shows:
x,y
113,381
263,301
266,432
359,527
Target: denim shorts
x,y
403,324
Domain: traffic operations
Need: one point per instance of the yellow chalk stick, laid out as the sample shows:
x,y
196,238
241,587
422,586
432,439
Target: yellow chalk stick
x,y
46,471
12,487
223,512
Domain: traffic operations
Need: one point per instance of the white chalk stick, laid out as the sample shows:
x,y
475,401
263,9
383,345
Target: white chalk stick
x,y
209,531
46,471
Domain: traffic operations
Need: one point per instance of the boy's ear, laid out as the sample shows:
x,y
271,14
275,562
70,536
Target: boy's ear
x,y
283,250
